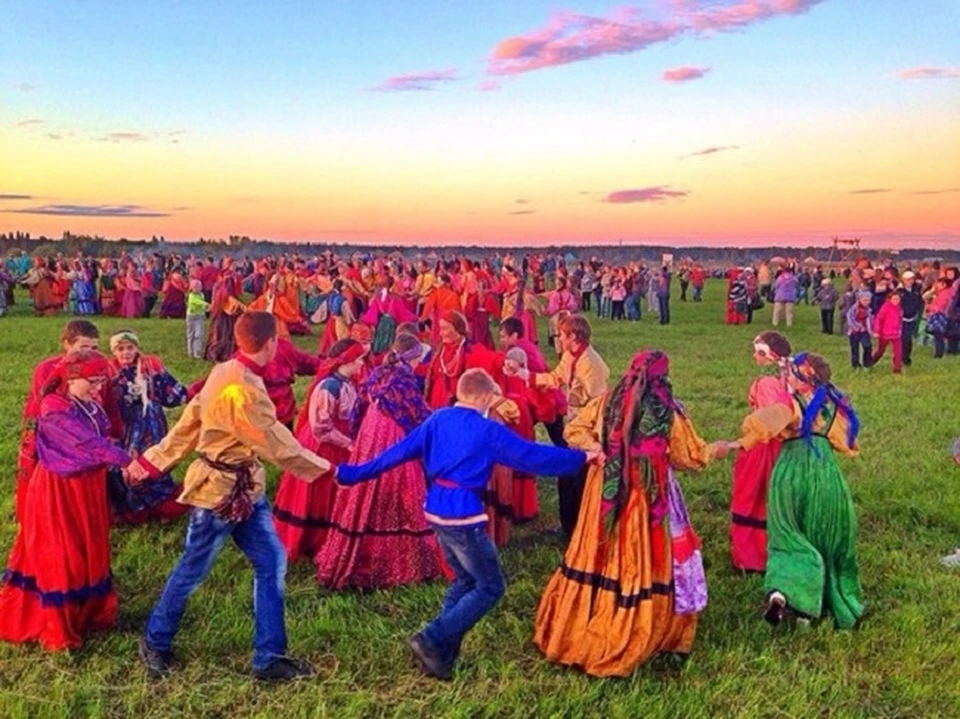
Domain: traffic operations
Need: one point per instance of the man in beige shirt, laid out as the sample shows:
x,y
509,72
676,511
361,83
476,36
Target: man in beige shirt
x,y
231,424
582,375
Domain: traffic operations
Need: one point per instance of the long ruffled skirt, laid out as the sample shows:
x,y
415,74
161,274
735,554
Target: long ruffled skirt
x,y
58,586
302,510
378,535
812,534
748,506
620,598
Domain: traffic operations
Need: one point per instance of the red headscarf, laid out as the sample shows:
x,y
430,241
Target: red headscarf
x,y
456,319
85,364
330,365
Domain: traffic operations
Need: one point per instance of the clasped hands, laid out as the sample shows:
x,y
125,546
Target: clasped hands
x,y
134,473
722,448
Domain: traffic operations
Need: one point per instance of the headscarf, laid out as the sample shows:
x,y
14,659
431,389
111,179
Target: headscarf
x,y
456,319
804,372
636,428
330,365
85,364
141,378
361,333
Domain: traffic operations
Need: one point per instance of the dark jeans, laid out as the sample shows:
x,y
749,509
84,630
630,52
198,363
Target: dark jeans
x,y
909,332
598,300
569,487
697,293
257,539
476,589
664,304
939,345
826,321
149,301
632,307
860,341
617,312
585,302
683,290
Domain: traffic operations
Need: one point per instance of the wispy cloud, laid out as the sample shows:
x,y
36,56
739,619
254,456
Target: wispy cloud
x,y
570,37
25,87
712,150
417,81
125,137
523,212
936,192
92,211
930,73
685,74
521,202
29,122
870,191
657,193
54,135
489,86
15,197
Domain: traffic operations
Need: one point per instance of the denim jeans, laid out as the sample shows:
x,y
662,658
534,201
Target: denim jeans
x,y
633,307
477,588
257,539
664,303
860,342
697,294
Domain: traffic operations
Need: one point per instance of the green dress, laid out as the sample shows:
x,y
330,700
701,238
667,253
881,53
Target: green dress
x,y
812,530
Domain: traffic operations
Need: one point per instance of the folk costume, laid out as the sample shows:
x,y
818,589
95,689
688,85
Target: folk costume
x,y
302,510
631,584
378,536
811,521
174,305
451,360
141,391
751,476
231,424
58,586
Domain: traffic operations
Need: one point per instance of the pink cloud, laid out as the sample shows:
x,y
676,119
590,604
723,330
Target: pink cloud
x,y
685,74
489,86
658,193
930,73
125,137
417,81
570,37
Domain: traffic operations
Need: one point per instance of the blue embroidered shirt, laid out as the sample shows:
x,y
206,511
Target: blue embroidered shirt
x,y
459,446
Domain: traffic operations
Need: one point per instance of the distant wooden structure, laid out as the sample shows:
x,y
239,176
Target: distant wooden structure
x,y
844,252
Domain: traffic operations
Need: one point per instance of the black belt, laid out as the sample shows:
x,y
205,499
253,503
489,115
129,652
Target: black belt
x,y
236,506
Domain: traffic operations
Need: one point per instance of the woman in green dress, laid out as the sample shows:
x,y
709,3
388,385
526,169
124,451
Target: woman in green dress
x,y
811,521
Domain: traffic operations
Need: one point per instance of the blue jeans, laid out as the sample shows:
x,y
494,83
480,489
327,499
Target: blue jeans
x,y
664,303
860,343
633,308
257,539
697,294
478,586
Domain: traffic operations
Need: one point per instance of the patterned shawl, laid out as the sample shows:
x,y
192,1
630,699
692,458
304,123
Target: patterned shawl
x,y
393,387
636,428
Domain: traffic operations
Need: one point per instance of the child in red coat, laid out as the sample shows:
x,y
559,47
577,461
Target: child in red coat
x,y
888,328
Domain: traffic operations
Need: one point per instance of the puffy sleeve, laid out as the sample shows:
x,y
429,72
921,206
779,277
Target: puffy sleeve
x,y
584,430
68,444
688,450
838,436
323,408
765,391
767,423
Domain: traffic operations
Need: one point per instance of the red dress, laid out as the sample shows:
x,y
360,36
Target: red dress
x,y
378,534
58,585
448,365
302,509
751,476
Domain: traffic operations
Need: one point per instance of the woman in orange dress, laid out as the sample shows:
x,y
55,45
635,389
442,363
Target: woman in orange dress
x,y
631,584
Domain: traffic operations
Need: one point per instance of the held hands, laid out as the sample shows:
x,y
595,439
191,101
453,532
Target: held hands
x,y
134,473
721,449
596,456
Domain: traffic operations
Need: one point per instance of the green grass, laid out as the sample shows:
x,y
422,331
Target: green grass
x,y
905,661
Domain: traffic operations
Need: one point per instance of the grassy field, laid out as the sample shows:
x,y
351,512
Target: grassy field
x,y
905,661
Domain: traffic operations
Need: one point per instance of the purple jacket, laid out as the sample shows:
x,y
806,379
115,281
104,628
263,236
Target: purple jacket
x,y
74,437
785,288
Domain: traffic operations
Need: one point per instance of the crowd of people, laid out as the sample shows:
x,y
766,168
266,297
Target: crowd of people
x,y
414,451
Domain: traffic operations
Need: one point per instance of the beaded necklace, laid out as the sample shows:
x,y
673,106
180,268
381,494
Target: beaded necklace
x,y
445,368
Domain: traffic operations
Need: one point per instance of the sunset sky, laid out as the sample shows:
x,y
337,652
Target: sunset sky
x,y
496,122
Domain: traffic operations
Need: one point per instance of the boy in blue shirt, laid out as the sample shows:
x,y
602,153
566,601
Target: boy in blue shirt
x,y
458,447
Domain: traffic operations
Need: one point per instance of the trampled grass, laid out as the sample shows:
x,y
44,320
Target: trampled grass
x,y
905,661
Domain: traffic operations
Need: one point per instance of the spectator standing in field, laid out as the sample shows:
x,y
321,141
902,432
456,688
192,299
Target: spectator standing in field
x,y
684,278
784,296
859,330
847,300
698,277
197,308
663,295
765,281
912,304
888,329
826,297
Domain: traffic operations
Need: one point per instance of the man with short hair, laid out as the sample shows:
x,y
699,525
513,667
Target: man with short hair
x,y
582,375
231,424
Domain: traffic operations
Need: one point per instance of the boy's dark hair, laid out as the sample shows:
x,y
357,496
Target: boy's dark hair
x,y
341,346
75,329
512,326
821,368
253,330
577,326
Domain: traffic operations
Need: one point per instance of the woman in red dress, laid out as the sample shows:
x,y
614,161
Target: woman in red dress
x,y
302,509
378,534
58,585
455,356
752,468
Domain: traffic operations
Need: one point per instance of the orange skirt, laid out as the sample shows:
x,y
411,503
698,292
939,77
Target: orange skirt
x,y
609,609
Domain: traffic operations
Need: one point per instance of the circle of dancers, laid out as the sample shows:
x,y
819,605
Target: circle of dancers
x,y
410,459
